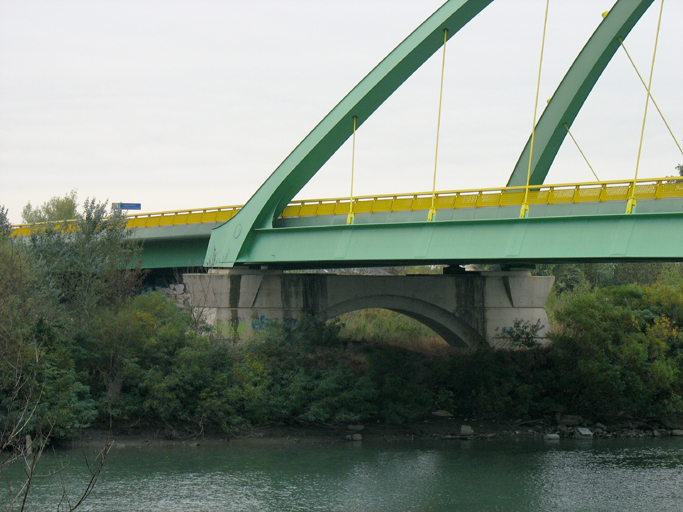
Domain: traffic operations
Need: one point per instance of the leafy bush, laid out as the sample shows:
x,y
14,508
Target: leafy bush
x,y
618,350
522,334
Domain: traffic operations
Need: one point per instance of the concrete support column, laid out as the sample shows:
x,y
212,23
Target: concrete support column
x,y
241,300
515,295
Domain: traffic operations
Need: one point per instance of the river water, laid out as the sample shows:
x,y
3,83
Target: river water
x,y
643,475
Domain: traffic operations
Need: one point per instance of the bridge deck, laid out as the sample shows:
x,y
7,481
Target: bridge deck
x,y
180,238
594,198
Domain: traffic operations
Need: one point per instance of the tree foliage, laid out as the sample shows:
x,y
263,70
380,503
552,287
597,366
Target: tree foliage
x,y
56,209
87,266
583,276
5,224
623,346
50,288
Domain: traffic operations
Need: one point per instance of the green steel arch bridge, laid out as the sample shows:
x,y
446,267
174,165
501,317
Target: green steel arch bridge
x,y
524,222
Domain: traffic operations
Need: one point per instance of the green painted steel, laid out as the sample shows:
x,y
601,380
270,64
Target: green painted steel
x,y
179,232
180,253
171,247
231,241
234,242
574,89
622,237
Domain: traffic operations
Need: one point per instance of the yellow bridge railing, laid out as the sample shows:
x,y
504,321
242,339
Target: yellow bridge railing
x,y
603,191
161,219
182,217
653,188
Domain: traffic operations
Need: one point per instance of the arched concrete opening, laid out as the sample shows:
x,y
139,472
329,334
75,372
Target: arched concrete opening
x,y
453,330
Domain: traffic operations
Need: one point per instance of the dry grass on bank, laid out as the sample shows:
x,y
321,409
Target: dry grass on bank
x,y
384,327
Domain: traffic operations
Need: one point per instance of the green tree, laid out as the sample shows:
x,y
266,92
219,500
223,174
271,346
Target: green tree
x,y
51,287
54,210
37,381
40,395
5,224
616,351
89,265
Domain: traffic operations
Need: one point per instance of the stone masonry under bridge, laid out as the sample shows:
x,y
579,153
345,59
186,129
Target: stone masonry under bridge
x,y
464,309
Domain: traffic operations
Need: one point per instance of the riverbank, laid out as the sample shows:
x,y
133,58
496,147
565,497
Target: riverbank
x,y
442,427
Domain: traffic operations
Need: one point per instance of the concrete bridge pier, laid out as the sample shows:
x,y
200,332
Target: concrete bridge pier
x,y
466,308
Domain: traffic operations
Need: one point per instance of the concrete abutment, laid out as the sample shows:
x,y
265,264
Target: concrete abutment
x,y
465,309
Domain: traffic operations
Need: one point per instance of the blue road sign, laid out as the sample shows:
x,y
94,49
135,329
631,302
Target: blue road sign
x,y
129,206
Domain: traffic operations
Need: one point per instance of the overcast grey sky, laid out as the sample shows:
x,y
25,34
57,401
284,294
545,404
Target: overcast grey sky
x,y
186,104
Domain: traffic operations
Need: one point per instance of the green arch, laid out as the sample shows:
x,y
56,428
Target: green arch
x,y
575,87
233,239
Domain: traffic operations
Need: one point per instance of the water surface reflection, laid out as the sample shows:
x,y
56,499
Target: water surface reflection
x,y
419,477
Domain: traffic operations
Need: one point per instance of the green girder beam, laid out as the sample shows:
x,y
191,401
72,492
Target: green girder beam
x,y
171,247
173,253
587,238
232,240
574,89
621,237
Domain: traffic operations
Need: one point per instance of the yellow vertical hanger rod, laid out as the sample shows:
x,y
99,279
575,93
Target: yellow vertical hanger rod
x,y
350,217
631,203
432,211
524,211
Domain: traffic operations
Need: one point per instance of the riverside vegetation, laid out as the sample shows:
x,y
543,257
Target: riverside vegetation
x,y
81,346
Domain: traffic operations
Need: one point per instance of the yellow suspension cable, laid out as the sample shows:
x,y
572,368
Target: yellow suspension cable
x,y
432,210
579,148
524,211
350,217
631,203
651,97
